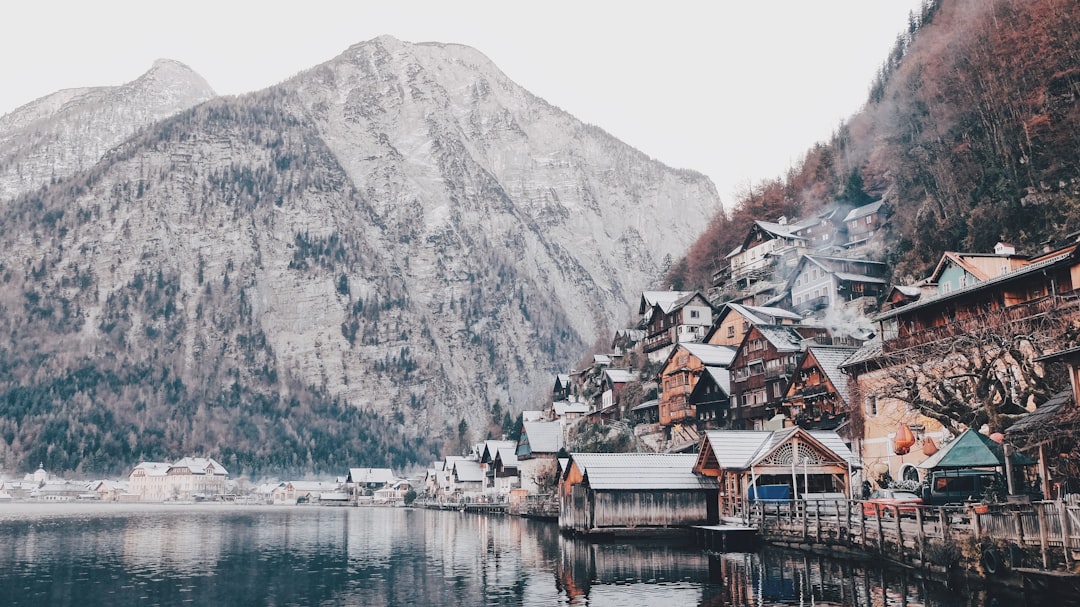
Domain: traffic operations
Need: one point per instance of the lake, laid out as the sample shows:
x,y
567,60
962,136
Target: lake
x,y
101,554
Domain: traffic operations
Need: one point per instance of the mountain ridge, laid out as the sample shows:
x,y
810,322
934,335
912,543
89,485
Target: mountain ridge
x,y
374,260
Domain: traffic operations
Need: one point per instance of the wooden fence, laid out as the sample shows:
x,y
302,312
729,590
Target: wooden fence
x,y
922,535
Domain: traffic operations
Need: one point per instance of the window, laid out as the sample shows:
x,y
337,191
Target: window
x,y
869,219
871,406
731,331
694,314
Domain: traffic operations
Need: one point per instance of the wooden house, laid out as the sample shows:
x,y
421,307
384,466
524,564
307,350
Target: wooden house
x,y
623,492
562,389
805,461
863,222
819,393
686,319
680,374
760,373
734,320
711,397
765,246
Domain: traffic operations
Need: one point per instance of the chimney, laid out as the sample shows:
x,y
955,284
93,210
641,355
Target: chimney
x,y
782,221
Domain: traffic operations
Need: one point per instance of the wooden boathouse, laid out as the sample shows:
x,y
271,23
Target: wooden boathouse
x,y
808,462
634,493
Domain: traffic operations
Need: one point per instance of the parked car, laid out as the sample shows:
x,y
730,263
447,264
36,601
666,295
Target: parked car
x,y
959,486
887,502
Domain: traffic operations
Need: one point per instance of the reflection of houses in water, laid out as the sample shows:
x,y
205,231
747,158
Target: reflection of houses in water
x,y
584,565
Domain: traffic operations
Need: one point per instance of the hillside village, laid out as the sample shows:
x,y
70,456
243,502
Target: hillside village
x,y
802,330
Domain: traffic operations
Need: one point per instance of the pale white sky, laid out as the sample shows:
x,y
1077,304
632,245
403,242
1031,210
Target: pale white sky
x,y
735,90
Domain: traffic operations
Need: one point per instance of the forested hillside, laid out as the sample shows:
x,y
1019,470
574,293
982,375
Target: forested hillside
x,y
969,134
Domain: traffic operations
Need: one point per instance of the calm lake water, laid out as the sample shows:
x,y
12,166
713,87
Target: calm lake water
x,y
87,555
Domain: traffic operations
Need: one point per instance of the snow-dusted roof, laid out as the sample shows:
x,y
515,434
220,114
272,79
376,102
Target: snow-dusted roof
x,y
646,405
782,337
373,475
709,355
468,471
664,299
860,278
492,447
542,437
741,449
863,211
153,468
563,407
829,359
641,471
202,465
508,457
721,376
620,376
601,359
532,416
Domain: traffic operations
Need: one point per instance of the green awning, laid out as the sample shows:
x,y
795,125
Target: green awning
x,y
972,450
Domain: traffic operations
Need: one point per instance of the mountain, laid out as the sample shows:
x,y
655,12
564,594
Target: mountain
x,y
969,136
369,263
58,135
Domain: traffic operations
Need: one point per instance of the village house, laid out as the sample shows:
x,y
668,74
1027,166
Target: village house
x,y
970,289
819,393
148,480
734,320
820,283
761,370
863,222
682,320
537,449
196,478
766,246
803,463
711,397
303,492
489,455
363,482
683,368
189,478
605,493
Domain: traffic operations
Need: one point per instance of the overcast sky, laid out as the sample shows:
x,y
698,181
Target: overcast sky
x,y
736,90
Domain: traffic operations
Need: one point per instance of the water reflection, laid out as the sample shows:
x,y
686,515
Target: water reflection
x,y
87,555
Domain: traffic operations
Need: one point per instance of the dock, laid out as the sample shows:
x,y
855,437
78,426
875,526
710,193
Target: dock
x,y
728,537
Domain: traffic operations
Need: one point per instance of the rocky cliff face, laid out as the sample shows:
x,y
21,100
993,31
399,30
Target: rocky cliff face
x,y
56,136
365,263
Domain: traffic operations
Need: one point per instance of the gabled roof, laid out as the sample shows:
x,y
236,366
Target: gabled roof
x,y
468,471
491,448
641,471
541,437
562,380
742,449
620,376
829,359
721,376
649,404
782,337
709,355
507,457
664,299
1059,257
201,465
869,351
373,475
863,211
972,450
153,468
601,359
